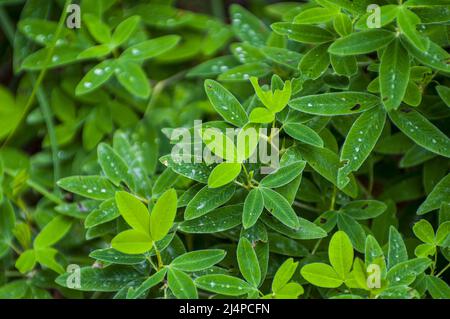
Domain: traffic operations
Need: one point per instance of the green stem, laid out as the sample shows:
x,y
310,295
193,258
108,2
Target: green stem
x,y
48,117
42,73
433,267
316,246
158,257
159,88
7,25
333,198
152,263
39,188
443,270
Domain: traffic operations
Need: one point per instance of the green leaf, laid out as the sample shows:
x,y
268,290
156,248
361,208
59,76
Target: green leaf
x,y
99,30
340,103
133,211
388,13
132,242
425,250
95,187
149,283
225,103
442,234
315,62
52,232
112,164
125,29
247,27
163,214
275,99
444,93
364,209
326,163
208,199
405,273
47,257
314,15
396,248
362,42
340,252
303,33
198,260
14,289
440,194
150,48
96,77
181,285
279,207
10,112
283,175
246,53
26,261
421,131
342,24
307,229
303,134
218,220
106,212
346,65
247,141
394,75
223,174
39,30
213,67
282,56
434,57
438,288
7,223
106,279
424,231
242,73
197,171
407,22
373,253
97,51
248,262
290,291
354,230
224,285
110,255
261,115
133,78
359,143
253,207
321,275
62,55
284,274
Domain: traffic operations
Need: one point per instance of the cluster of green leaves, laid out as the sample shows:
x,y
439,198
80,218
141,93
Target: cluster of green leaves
x,y
358,207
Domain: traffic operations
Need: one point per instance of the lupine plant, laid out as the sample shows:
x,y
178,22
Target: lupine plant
x,y
354,97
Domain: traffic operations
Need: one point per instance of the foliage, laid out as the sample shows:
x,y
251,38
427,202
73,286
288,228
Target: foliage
x,y
359,206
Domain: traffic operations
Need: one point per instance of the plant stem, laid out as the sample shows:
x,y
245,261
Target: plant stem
x,y
333,198
158,257
39,188
316,246
42,73
159,88
443,270
48,117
